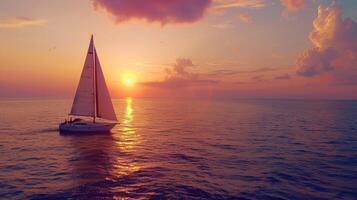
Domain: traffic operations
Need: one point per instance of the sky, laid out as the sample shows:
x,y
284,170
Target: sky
x,y
182,48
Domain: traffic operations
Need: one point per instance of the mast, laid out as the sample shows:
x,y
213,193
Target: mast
x,y
95,93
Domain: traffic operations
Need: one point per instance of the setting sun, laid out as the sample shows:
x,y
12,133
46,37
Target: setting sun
x,y
129,82
128,79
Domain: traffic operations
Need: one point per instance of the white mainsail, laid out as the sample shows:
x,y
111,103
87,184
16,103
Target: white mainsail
x,y
83,103
92,96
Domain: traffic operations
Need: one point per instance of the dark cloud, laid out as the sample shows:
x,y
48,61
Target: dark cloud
x,y
161,11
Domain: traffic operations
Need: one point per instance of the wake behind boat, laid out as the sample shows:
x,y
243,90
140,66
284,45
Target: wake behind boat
x,y
92,100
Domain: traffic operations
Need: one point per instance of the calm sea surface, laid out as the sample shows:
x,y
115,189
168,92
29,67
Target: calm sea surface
x,y
183,149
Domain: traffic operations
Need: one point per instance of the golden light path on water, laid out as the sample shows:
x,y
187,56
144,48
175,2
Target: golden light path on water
x,y
126,140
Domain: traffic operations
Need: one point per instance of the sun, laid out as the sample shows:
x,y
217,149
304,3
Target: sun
x,y
128,79
129,82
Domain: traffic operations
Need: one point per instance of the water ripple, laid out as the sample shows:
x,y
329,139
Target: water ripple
x,y
183,149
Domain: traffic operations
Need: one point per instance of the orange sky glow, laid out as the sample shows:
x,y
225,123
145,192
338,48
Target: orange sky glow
x,y
182,48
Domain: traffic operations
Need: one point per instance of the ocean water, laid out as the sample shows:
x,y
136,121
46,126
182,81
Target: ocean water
x,y
183,149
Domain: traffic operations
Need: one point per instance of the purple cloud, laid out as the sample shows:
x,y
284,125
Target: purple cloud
x,y
161,11
313,62
334,48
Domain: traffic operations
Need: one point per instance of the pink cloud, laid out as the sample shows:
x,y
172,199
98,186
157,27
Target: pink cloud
x,y
223,4
315,61
161,11
334,50
20,22
282,77
293,5
179,76
245,17
220,6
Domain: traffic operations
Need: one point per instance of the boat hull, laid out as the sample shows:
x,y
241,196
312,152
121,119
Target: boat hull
x,y
85,127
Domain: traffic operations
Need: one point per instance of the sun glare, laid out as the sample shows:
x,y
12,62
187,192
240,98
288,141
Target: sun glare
x,y
129,82
128,79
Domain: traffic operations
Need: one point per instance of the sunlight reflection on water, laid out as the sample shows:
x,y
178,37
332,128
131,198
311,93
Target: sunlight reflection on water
x,y
126,139
183,149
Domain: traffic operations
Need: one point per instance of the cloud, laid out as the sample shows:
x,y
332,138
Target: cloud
x,y
222,4
251,82
178,76
258,77
20,22
160,11
228,72
245,17
293,5
242,82
283,77
315,61
334,50
222,25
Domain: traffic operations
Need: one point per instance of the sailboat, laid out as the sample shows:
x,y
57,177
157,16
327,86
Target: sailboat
x,y
92,108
